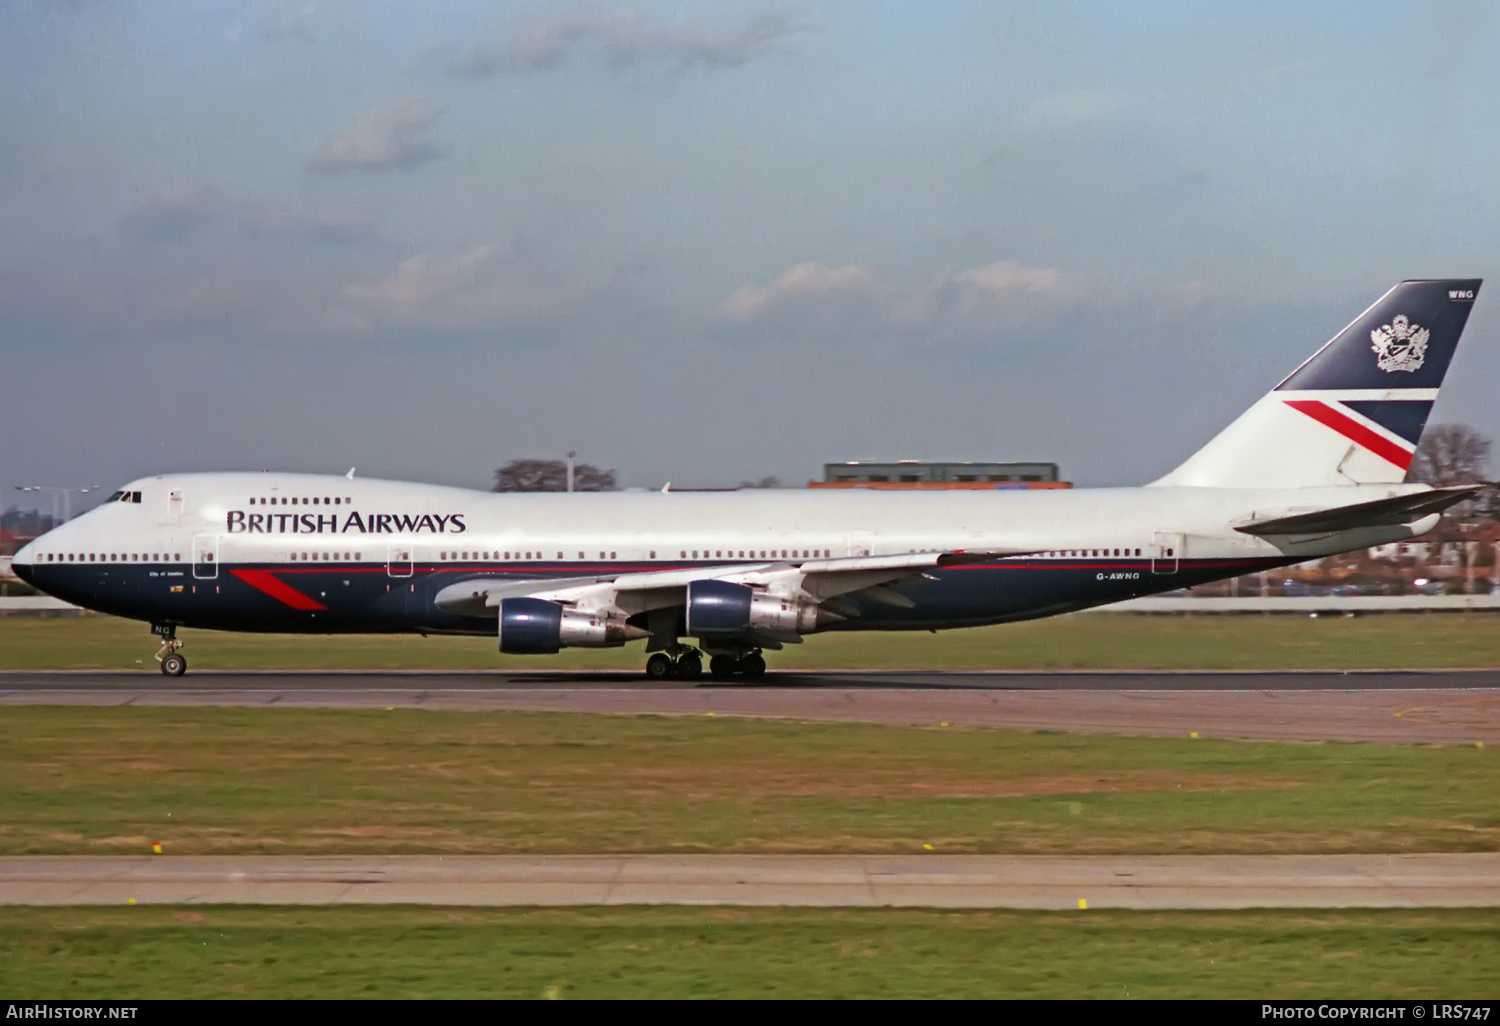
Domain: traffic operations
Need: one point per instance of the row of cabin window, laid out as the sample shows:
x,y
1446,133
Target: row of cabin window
x,y
717,554
110,557
768,554
114,557
314,501
762,554
1087,553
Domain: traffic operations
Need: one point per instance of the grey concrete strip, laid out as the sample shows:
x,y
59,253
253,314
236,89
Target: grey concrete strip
x,y
1420,714
542,677
1468,880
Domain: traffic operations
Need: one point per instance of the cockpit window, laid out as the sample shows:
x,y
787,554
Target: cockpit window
x,y
115,497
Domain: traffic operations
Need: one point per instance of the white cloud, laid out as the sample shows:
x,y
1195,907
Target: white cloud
x,y
483,287
383,138
811,295
1005,285
1008,278
623,42
798,285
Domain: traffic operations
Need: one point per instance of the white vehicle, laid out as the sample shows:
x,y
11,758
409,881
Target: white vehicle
x,y
1315,467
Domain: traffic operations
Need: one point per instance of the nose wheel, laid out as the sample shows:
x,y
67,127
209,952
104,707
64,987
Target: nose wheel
x,y
173,663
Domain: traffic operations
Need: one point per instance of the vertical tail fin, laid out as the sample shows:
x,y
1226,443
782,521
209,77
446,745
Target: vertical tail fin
x,y
1353,413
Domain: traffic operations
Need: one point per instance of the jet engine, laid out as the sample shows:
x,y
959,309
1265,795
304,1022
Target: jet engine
x,y
723,608
531,626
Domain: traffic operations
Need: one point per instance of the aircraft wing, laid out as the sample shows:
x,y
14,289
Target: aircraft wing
x,y
632,593
1399,509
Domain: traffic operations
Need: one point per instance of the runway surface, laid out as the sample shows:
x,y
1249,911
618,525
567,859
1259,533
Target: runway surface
x,y
957,881
1413,706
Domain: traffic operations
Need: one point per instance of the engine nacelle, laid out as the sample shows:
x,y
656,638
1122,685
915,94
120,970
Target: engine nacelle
x,y
530,626
722,608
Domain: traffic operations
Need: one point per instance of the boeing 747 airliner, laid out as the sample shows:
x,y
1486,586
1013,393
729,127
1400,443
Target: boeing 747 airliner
x,y
1316,467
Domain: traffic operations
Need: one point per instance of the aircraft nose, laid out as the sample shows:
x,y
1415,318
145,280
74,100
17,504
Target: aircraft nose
x,y
22,562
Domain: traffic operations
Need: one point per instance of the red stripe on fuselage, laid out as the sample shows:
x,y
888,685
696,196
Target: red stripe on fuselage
x,y
264,580
1353,430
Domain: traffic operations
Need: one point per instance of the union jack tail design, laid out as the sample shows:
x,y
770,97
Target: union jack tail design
x,y
1354,412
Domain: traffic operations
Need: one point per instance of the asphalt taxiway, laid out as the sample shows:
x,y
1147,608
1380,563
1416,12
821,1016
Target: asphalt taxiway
x,y
1469,880
1402,706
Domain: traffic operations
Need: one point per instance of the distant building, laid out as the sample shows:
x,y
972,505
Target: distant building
x,y
1402,550
22,526
919,474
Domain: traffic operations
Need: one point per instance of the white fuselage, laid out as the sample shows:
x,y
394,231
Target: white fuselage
x,y
280,535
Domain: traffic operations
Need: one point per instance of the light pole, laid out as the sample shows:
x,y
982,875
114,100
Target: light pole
x,y
571,454
67,498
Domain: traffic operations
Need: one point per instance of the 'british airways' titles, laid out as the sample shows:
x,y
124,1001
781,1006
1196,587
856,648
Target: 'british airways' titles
x,y
241,522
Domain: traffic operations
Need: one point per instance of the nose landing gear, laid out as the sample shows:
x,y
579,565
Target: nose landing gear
x,y
172,663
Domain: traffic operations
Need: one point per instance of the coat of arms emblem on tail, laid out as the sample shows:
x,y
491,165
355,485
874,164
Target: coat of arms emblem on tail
x,y
1399,345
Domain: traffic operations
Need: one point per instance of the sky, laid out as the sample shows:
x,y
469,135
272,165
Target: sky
x,y
704,243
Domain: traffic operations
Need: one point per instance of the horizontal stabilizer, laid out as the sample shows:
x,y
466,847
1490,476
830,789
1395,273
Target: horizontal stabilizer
x,y
1399,509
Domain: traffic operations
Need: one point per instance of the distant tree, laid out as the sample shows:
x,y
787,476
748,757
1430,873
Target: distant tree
x,y
766,482
528,475
1450,454
1456,454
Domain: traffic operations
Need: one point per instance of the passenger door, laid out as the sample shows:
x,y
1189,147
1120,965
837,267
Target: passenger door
x,y
398,562
1166,551
206,557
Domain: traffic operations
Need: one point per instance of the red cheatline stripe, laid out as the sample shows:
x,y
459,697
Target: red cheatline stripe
x,y
1353,430
264,580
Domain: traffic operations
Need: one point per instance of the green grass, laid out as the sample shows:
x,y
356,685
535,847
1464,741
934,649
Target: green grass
x,y
166,952
1089,640
223,780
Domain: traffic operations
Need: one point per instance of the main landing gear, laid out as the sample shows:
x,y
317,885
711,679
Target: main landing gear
x,y
172,663
687,664
752,666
